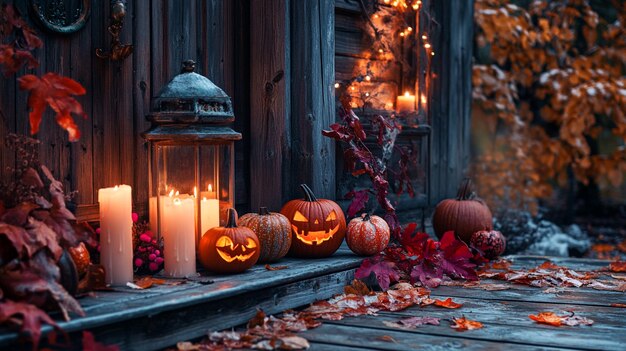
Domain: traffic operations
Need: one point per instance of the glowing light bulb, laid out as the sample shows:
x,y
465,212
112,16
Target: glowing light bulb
x,y
432,53
368,78
381,50
352,88
367,94
336,85
424,37
410,29
401,34
427,46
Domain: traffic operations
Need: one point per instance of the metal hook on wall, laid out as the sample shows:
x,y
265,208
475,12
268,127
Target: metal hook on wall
x,y
118,51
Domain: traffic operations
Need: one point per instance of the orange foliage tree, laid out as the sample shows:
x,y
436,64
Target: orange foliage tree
x,y
550,81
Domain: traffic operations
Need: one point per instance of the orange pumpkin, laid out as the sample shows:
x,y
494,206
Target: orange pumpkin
x,y
367,235
273,230
229,249
464,215
318,226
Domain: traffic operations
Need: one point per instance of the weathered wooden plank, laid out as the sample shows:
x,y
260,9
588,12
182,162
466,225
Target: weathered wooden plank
x,y
81,172
125,132
141,96
377,338
515,313
189,313
569,337
451,36
241,100
580,296
269,95
312,95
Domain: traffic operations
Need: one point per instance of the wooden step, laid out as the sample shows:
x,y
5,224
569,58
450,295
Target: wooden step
x,y
160,316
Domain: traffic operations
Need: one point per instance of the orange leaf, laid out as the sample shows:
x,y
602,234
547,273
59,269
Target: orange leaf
x,y
547,318
463,324
275,268
620,305
447,303
55,91
618,266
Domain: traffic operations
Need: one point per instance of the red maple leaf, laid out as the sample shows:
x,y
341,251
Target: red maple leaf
x,y
413,242
12,59
359,200
27,317
456,257
55,91
384,271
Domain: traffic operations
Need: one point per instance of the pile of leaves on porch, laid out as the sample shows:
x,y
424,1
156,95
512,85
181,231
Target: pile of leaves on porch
x,y
431,264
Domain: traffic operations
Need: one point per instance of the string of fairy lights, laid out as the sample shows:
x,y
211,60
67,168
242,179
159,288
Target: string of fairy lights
x,y
390,24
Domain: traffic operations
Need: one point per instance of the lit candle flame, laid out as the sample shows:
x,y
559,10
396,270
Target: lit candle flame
x,y
406,93
195,192
116,187
172,193
210,187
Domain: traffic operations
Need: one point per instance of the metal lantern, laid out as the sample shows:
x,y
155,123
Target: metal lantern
x,y
192,151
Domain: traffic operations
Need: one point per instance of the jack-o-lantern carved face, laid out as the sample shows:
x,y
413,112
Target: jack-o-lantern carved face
x,y
316,232
318,226
229,251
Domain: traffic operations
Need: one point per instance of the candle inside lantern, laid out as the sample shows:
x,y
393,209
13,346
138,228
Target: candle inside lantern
x,y
154,222
209,210
179,236
116,234
405,103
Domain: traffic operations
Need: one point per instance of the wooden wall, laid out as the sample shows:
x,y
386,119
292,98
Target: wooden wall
x,y
275,58
251,57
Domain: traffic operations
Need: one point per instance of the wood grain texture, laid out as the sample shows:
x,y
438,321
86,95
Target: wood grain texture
x,y
269,101
312,95
451,33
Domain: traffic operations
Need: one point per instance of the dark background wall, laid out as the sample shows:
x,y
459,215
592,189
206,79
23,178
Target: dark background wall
x,y
275,58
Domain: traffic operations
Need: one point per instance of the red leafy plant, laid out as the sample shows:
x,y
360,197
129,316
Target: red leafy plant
x,y
420,259
17,40
36,228
360,160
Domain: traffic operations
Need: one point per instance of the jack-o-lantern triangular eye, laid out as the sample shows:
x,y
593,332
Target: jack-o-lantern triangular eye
x,y
332,216
224,241
250,244
299,217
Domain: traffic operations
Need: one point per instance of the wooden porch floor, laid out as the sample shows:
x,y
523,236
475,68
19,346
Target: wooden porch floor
x,y
504,315
159,317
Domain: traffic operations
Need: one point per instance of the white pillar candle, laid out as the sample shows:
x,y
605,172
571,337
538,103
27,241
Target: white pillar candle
x,y
116,234
209,210
154,223
405,103
179,237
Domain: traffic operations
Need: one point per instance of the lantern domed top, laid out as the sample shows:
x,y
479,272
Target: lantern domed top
x,y
191,98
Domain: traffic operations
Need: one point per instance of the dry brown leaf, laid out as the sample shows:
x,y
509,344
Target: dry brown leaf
x,y
356,288
386,338
275,268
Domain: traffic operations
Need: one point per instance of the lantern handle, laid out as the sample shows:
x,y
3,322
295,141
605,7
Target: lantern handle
x,y
188,66
308,193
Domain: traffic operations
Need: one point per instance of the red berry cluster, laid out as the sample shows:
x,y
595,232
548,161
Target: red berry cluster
x,y
148,252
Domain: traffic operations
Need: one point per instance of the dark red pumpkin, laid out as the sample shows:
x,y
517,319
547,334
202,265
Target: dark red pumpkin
x,y
464,215
273,230
229,249
490,242
317,226
367,235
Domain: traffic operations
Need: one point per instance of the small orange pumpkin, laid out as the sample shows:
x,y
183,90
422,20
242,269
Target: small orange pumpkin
x,y
367,235
318,226
464,215
273,230
229,249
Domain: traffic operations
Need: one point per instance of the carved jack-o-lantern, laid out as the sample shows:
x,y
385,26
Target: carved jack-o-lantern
x,y
318,226
229,249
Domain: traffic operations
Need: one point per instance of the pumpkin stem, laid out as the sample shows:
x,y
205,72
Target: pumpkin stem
x,y
263,211
308,193
366,217
465,190
232,218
